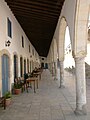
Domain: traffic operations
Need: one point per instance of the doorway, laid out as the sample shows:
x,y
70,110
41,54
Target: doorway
x,y
15,67
5,74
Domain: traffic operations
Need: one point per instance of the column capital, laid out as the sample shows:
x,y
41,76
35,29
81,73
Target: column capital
x,y
61,60
80,54
79,59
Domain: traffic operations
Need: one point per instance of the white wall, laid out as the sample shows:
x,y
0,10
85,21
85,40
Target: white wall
x,y
16,40
17,33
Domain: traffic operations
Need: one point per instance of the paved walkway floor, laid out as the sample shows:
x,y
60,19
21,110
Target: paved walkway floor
x,y
48,103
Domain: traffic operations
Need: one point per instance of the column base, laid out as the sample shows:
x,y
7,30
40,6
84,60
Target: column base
x,y
81,112
61,86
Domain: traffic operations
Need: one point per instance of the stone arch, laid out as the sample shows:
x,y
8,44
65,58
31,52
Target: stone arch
x,y
61,38
5,52
51,58
81,25
55,50
52,52
52,48
79,53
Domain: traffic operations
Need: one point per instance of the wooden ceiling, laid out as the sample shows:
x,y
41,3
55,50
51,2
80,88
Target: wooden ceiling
x,y
38,19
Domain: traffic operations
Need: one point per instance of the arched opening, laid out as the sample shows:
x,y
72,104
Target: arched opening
x,y
15,66
21,66
69,63
5,74
24,66
46,65
28,65
87,59
68,58
42,65
56,67
61,40
32,65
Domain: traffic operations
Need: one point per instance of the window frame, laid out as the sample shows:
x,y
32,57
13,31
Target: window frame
x,y
22,42
9,27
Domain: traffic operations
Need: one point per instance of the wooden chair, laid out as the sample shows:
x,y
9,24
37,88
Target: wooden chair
x,y
21,81
3,102
23,84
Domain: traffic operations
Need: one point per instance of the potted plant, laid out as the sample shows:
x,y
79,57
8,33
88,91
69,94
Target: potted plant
x,y
17,88
8,97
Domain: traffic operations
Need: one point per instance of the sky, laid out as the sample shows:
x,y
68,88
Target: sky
x,y
67,37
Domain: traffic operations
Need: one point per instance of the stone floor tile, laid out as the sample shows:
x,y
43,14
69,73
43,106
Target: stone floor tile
x,y
48,103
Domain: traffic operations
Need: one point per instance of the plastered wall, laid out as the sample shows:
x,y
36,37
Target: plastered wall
x,y
16,42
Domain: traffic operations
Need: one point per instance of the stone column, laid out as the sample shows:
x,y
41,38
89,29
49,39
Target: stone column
x,y
80,86
55,64
53,69
61,75
49,66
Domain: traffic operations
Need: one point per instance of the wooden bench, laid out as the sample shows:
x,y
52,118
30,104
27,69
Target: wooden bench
x,y
3,102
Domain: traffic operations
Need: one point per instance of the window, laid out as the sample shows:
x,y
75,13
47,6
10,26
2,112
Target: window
x,y
42,58
29,48
33,52
9,28
22,42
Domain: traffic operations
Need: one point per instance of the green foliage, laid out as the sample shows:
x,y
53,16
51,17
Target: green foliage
x,y
8,95
17,85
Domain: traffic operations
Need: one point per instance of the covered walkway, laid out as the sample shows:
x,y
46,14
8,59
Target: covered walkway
x,y
48,103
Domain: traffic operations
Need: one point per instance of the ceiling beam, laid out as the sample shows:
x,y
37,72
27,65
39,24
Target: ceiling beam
x,y
32,19
38,18
18,10
33,16
33,10
46,2
38,5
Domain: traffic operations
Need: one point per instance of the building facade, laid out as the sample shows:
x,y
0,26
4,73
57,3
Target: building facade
x,y
17,54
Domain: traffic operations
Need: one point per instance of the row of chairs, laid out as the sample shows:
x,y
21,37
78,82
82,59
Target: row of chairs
x,y
22,82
